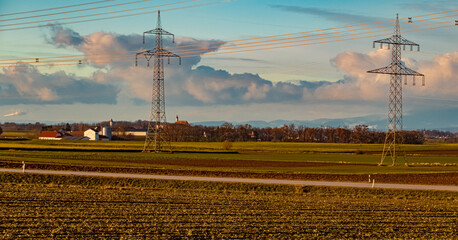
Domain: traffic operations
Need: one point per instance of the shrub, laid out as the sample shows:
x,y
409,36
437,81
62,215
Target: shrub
x,y
227,145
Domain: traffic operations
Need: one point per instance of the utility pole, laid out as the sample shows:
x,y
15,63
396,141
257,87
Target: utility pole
x,y
156,132
396,70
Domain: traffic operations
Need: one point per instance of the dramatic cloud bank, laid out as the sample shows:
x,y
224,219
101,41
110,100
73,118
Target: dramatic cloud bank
x,y
26,85
188,84
191,84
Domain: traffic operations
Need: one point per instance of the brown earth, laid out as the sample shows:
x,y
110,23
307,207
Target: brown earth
x,y
427,179
233,163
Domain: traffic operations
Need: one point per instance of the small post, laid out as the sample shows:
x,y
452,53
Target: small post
x,y
373,183
23,167
369,178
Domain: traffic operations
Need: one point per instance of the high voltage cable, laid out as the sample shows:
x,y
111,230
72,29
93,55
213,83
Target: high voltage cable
x,y
339,40
120,16
55,8
129,58
97,19
199,50
198,53
195,51
281,41
222,47
279,47
182,49
90,15
73,11
326,29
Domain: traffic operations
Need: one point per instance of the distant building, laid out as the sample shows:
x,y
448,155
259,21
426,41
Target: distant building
x,y
107,131
100,134
136,132
50,135
92,134
60,135
181,122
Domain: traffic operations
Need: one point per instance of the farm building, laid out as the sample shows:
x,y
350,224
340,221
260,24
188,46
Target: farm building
x,y
135,132
50,135
59,135
92,134
95,134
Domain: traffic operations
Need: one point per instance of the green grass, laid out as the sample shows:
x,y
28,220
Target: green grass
x,y
270,147
110,154
20,134
43,206
186,161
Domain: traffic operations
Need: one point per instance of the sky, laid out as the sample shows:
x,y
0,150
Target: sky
x,y
215,83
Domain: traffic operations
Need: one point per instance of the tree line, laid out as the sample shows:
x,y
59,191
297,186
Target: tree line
x,y
286,133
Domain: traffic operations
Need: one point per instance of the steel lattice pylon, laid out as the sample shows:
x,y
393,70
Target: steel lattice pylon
x,y
155,133
396,70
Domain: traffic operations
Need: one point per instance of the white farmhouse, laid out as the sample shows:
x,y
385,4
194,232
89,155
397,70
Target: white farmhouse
x,y
92,134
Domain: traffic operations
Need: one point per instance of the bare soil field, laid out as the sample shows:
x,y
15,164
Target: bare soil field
x,y
427,178
61,207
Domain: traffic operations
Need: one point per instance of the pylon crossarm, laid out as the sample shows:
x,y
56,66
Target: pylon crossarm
x,y
398,40
400,69
158,53
158,31
408,42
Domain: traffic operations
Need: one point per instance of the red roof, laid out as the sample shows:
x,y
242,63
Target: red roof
x,y
77,133
182,122
50,134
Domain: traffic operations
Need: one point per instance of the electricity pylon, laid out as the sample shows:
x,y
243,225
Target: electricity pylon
x,y
396,70
155,133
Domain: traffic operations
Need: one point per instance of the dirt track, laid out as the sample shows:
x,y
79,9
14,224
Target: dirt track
x,y
242,180
450,179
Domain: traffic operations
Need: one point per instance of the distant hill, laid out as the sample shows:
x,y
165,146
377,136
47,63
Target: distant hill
x,y
444,120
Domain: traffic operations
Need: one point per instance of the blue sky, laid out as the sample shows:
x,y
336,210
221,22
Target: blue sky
x,y
298,83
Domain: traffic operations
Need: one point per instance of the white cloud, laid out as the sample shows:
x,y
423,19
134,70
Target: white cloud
x,y
15,113
191,84
24,84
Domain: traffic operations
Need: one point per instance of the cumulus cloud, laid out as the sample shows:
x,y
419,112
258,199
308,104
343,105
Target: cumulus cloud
x,y
441,76
194,84
62,37
188,84
24,84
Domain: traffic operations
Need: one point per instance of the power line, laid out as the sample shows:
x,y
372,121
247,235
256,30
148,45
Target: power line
x,y
130,57
282,41
96,60
72,11
49,9
90,15
306,44
265,37
245,45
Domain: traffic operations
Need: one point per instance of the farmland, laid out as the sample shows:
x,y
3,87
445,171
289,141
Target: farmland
x,y
88,207
47,206
427,164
